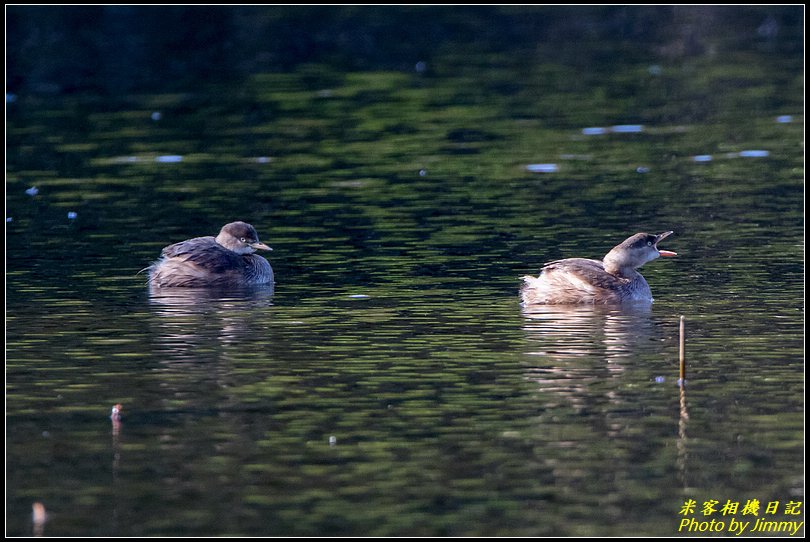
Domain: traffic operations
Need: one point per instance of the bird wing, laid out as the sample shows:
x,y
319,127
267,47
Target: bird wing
x,y
204,252
590,272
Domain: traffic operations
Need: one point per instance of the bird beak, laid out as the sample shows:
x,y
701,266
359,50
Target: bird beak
x,y
666,253
258,245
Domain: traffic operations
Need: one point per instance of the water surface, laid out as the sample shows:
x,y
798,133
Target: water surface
x,y
390,383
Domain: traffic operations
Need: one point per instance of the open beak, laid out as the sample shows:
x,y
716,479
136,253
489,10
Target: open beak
x,y
666,253
258,245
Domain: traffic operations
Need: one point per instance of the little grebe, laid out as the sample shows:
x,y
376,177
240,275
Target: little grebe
x,y
225,260
613,280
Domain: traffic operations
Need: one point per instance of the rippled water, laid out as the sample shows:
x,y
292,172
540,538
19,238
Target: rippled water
x,y
390,383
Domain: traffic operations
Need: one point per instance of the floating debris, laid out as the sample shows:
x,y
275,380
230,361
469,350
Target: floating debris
x,y
422,172
38,516
784,119
10,98
617,129
115,415
8,219
156,116
420,67
263,160
642,169
169,158
33,191
660,379
359,296
655,69
543,168
702,158
332,440
754,154
594,131
72,215
627,128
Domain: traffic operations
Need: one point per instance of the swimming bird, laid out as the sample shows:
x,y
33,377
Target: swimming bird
x,y
612,280
225,260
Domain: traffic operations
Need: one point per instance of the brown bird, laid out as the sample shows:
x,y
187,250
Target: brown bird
x,y
612,280
225,260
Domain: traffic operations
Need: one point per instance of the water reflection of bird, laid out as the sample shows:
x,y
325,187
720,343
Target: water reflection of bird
x,y
188,319
612,280
575,349
572,332
225,260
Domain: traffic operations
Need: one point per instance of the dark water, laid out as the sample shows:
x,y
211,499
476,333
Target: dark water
x,y
390,383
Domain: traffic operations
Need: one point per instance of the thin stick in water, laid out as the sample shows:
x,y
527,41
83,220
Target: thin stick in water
x,y
683,359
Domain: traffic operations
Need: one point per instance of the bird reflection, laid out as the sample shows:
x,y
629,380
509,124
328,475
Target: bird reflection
x,y
577,346
195,300
566,332
193,317
579,357
204,340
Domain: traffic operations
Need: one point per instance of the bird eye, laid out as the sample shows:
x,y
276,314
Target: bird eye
x,y
649,243
242,239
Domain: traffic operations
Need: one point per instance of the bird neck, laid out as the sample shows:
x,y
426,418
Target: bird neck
x,y
616,264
